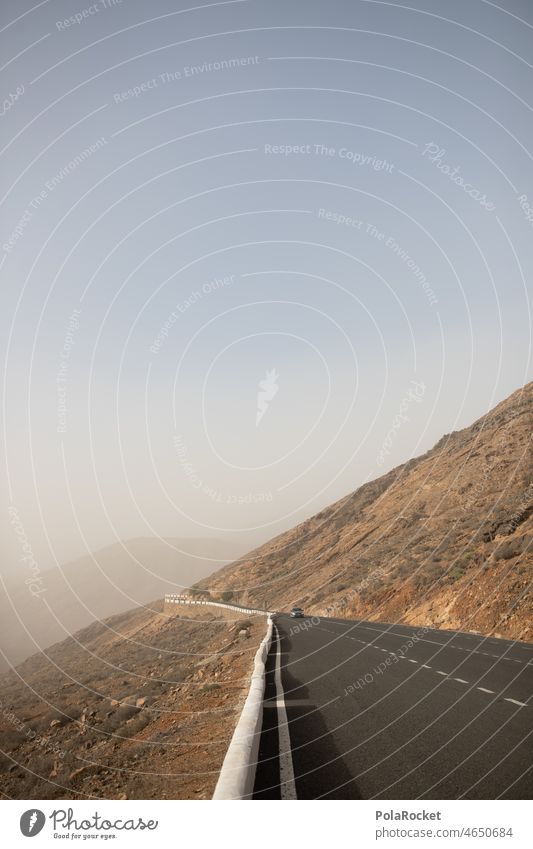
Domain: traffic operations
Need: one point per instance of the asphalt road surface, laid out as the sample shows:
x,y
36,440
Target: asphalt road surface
x,y
364,710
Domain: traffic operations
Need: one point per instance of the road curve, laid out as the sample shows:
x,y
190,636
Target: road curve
x,y
385,711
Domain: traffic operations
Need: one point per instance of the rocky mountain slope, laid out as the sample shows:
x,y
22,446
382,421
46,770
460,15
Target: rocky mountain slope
x,y
112,580
445,539
141,706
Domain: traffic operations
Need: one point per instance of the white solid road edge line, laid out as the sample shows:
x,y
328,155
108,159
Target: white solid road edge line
x,y
237,776
286,769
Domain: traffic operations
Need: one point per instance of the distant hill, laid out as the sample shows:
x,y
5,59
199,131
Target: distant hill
x,y
445,539
116,578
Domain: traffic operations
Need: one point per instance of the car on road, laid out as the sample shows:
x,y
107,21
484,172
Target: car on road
x,y
297,613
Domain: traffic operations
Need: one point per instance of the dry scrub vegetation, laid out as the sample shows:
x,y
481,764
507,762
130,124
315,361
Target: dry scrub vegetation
x,y
444,540
140,706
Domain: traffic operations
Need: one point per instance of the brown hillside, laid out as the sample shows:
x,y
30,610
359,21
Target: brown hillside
x,y
444,540
141,706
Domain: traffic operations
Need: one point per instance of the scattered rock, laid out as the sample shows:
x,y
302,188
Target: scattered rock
x,y
77,772
55,769
83,721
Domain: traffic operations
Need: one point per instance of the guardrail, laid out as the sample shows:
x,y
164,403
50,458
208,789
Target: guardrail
x,y
237,776
174,598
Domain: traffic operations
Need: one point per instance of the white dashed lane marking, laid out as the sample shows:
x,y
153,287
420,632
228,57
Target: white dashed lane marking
x,y
471,651
437,671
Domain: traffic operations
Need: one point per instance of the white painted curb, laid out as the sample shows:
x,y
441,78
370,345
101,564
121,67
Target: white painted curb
x,y
237,776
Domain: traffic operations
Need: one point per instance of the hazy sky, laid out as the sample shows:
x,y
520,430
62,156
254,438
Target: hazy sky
x,y
329,199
